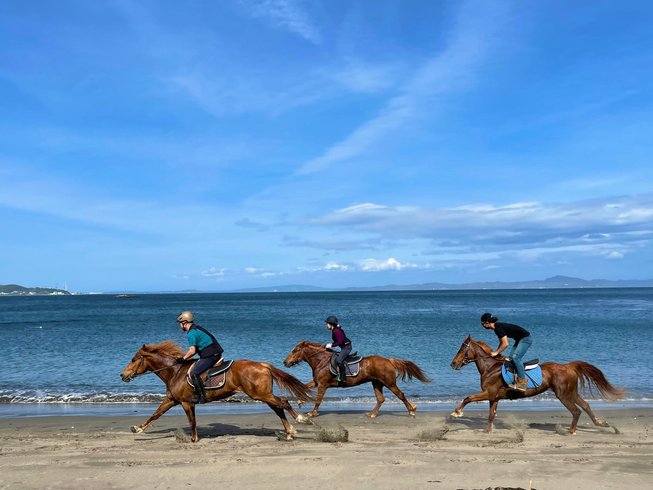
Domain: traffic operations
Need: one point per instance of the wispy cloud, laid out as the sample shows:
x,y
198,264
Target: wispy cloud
x,y
449,71
289,15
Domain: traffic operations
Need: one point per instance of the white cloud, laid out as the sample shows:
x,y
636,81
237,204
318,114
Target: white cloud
x,y
214,272
334,266
374,265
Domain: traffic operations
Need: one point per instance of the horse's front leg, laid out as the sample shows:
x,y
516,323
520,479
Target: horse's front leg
x,y
476,397
163,408
494,404
189,408
321,390
310,385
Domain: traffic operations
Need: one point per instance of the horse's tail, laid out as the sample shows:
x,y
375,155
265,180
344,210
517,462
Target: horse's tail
x,y
595,378
288,382
408,369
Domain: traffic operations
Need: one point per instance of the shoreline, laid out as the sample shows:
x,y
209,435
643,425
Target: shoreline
x,y
393,451
117,409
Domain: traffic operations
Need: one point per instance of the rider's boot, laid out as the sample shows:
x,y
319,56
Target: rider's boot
x,y
520,384
342,376
200,395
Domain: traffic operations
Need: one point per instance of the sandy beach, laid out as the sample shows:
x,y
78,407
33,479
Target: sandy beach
x,y
393,451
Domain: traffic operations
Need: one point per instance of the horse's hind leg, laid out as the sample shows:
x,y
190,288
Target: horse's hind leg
x,y
290,430
400,394
575,411
378,393
586,406
189,408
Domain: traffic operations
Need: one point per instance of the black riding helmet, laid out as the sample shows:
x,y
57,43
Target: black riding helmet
x,y
488,317
332,320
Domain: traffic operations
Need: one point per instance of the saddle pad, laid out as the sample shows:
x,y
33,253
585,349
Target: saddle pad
x,y
351,368
213,378
534,376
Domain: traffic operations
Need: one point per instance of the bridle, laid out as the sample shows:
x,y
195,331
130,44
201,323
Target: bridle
x,y
142,359
467,360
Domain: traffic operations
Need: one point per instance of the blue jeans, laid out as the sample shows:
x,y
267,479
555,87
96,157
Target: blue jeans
x,y
517,353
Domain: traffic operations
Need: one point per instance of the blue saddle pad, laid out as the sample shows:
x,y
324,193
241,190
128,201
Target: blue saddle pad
x,y
534,376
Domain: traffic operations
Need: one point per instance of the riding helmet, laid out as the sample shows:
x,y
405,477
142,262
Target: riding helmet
x,y
332,320
186,316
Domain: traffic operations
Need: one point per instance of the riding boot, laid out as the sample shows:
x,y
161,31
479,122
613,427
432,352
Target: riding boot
x,y
521,384
342,375
200,395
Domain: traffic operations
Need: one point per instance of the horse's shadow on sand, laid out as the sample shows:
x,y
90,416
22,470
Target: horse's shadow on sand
x,y
213,430
546,427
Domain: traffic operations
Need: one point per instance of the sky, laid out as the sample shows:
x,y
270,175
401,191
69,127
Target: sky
x,y
215,146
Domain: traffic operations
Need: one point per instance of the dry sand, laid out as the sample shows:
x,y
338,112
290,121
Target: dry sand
x,y
394,451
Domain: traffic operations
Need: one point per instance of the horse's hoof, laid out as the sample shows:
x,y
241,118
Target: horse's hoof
x,y
290,437
601,423
456,415
311,414
303,419
371,415
136,429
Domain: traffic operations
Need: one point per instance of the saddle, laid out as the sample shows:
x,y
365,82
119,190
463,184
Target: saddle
x,y
528,365
352,364
215,377
532,369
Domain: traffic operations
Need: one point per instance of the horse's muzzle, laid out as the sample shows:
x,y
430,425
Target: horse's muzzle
x,y
126,379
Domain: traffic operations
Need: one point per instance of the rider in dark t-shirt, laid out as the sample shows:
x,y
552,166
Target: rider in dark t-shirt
x,y
523,341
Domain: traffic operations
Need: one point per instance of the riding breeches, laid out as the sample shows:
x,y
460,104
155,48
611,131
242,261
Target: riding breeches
x,y
342,355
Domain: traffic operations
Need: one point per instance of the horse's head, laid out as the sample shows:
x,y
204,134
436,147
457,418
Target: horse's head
x,y
153,357
296,355
465,354
138,365
302,352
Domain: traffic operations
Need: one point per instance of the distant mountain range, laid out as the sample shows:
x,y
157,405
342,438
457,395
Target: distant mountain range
x,y
555,282
16,290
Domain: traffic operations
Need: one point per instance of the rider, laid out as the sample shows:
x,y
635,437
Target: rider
x,y
523,341
201,342
339,340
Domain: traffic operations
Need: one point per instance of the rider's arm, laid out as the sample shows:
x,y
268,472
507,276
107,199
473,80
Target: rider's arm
x,y
503,343
190,353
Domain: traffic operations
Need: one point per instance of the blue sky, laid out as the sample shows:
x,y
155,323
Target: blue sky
x,y
158,145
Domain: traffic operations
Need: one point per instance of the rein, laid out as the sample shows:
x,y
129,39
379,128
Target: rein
x,y
466,360
136,375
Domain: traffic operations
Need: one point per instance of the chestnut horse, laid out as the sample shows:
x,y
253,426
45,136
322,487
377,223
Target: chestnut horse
x,y
255,379
562,379
379,370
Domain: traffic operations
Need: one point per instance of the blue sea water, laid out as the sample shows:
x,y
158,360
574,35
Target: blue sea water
x,y
64,354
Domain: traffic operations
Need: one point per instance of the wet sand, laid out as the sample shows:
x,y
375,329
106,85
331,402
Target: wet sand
x,y
393,451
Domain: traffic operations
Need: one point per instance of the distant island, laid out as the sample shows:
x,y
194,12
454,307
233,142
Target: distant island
x,y
16,290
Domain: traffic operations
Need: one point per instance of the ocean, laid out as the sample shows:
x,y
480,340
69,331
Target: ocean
x,y
63,354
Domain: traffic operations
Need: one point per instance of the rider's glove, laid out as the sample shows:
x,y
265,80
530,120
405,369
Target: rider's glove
x,y
328,346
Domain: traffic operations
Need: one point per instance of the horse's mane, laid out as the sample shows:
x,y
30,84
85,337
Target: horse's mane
x,y
167,348
483,346
311,344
